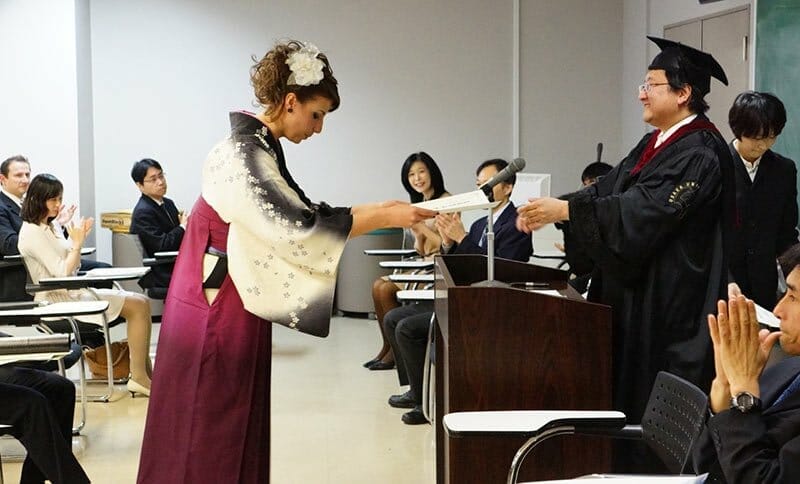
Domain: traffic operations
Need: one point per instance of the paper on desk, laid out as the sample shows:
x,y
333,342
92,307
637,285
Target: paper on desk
x,y
117,271
765,316
458,203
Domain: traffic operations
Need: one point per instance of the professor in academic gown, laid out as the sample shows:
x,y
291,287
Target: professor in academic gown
x,y
655,227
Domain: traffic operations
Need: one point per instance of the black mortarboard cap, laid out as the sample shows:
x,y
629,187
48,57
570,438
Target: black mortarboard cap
x,y
694,66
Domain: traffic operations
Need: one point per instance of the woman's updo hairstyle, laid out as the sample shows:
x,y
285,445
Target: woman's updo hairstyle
x,y
270,79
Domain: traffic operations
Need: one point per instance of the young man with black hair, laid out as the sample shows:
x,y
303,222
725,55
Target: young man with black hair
x,y
766,195
156,220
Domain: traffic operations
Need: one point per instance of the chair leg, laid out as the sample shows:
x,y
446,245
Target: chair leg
x,y
527,447
427,374
82,372
82,381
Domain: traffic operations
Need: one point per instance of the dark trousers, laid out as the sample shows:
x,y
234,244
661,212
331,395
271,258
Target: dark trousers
x,y
407,332
39,406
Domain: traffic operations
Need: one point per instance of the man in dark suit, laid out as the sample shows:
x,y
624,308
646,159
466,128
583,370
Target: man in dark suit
x,y
515,245
156,221
407,326
15,175
753,434
766,195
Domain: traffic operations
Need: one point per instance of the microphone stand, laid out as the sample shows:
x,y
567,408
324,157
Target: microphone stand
x,y
490,281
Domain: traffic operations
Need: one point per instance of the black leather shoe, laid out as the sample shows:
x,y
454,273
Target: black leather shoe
x,y
380,365
370,363
402,401
414,417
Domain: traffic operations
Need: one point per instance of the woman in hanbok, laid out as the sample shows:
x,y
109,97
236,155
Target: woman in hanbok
x,y
256,251
423,181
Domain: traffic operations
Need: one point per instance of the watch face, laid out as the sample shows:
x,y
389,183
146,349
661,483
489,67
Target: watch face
x,y
745,402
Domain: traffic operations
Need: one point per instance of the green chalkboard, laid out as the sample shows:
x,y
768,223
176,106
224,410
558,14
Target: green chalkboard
x,y
778,65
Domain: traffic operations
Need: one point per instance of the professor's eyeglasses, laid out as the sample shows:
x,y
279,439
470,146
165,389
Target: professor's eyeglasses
x,y
647,87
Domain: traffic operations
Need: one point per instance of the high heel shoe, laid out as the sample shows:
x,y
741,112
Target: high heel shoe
x,y
135,388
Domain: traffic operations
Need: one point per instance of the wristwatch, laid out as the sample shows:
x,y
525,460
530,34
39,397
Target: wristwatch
x,y
745,402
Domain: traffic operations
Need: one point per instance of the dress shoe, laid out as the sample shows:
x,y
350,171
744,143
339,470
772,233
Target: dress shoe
x,y
380,365
135,388
370,363
404,400
414,417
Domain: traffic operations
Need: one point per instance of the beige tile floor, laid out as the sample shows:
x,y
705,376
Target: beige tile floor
x,y
330,420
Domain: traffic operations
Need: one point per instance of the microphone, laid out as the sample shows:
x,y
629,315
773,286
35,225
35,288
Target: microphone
x,y
599,151
517,165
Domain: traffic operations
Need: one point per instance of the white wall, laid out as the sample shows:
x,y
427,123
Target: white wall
x,y
413,75
570,72
38,88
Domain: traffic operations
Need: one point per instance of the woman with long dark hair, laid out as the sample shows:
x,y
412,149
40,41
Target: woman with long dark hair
x,y
422,179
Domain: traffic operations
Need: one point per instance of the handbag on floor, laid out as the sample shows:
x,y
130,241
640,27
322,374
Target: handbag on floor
x,y
120,357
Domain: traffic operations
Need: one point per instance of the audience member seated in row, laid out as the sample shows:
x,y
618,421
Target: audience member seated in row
x,y
156,220
580,264
423,181
39,406
407,326
48,254
15,175
753,434
766,195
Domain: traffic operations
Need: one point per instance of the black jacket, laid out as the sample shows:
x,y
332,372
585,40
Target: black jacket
x,y
761,446
765,224
12,278
159,230
509,243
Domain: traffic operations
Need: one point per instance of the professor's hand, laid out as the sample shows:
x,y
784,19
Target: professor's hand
x,y
541,211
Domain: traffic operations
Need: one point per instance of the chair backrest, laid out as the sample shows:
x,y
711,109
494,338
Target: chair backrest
x,y
675,414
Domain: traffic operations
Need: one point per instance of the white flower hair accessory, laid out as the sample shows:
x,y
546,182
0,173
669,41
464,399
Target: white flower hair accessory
x,y
305,66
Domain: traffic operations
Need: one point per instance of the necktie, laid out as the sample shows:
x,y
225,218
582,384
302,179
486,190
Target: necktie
x,y
164,207
789,390
482,243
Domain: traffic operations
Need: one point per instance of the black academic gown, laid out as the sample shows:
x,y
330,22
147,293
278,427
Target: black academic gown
x,y
657,241
765,224
762,446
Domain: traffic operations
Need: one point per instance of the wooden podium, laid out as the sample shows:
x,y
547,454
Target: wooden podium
x,y
513,349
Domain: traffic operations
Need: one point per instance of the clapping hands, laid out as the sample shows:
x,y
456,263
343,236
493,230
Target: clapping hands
x,y
65,214
79,229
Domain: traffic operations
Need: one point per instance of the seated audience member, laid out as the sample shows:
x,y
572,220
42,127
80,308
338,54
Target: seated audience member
x,y
580,264
15,174
156,220
422,179
407,326
766,195
510,243
39,406
753,433
48,254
